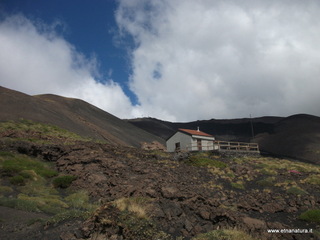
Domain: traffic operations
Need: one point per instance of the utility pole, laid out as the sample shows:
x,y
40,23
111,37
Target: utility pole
x,y
252,132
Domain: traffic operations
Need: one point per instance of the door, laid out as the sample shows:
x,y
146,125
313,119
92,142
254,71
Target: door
x,y
199,144
177,146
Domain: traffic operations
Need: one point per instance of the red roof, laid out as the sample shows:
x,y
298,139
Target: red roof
x,y
195,132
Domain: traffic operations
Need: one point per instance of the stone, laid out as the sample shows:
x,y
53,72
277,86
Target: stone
x,y
188,225
169,192
204,214
254,223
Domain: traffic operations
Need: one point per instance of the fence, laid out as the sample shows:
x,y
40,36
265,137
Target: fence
x,y
224,146
237,146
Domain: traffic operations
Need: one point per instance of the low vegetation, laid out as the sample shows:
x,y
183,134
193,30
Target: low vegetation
x,y
137,205
296,191
238,185
311,216
33,185
27,130
266,182
24,166
205,160
312,179
63,181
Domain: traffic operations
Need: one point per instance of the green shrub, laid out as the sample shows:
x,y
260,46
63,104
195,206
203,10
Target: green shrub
x,y
63,181
311,216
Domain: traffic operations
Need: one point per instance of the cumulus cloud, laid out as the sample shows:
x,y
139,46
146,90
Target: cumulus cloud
x,y
34,59
223,59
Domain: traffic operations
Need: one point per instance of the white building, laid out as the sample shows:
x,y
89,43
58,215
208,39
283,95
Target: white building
x,y
191,140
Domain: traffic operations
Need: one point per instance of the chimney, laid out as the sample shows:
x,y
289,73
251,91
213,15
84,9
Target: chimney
x,y
198,130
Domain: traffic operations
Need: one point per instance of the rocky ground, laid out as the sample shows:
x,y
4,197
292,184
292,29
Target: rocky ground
x,y
155,195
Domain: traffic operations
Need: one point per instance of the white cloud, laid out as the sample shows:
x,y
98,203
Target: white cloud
x,y
35,60
223,59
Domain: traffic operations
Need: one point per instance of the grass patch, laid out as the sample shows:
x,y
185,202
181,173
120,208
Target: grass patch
x,y
38,187
63,181
312,179
35,220
5,189
46,204
238,185
266,182
296,191
6,154
68,214
74,205
41,129
202,160
137,205
15,164
17,180
35,189
311,216
269,172
131,225
80,200
21,204
270,166
224,234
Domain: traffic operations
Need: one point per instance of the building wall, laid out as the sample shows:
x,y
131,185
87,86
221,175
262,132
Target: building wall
x,y
178,137
206,143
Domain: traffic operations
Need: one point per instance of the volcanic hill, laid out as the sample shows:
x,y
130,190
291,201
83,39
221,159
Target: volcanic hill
x,y
71,114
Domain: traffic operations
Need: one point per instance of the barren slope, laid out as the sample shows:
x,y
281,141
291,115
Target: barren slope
x,y
72,114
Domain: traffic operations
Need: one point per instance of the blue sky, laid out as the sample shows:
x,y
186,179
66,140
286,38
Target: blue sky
x,y
88,25
170,59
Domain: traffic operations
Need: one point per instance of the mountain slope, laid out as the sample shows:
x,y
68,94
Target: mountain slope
x,y
297,136
72,114
230,129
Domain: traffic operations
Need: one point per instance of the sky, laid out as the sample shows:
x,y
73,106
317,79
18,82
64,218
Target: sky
x,y
175,60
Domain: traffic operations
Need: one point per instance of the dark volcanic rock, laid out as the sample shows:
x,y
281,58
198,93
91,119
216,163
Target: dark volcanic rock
x,y
182,201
